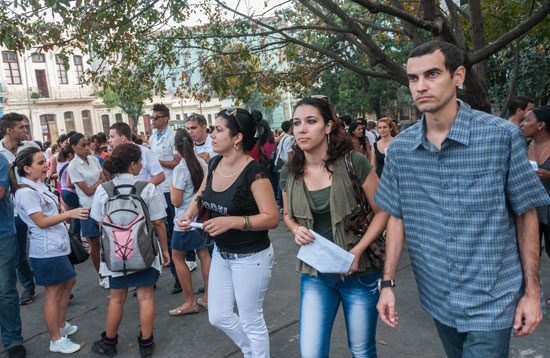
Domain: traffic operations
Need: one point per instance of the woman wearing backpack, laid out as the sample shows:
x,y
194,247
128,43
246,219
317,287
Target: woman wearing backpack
x,y
125,164
186,180
68,194
85,174
49,243
243,209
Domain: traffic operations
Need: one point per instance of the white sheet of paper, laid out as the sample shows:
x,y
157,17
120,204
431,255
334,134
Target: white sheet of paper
x,y
325,256
534,165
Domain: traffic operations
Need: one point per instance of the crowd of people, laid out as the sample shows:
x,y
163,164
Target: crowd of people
x,y
467,190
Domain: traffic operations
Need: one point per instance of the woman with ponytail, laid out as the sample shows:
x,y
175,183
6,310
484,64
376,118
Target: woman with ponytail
x,y
243,209
49,243
186,181
68,194
319,195
125,164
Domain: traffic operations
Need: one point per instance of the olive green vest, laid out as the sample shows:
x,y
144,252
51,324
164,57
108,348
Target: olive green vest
x,y
342,205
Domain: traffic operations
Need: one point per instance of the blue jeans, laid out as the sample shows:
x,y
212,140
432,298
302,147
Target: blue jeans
x,y
71,199
320,299
491,344
10,320
22,265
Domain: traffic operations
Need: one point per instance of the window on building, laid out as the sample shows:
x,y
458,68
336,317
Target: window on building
x,y
38,57
118,117
87,122
11,67
69,121
105,123
174,81
209,119
61,72
79,69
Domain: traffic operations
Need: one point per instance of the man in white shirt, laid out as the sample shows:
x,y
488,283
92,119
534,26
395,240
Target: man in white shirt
x,y
13,127
370,132
284,154
196,126
162,144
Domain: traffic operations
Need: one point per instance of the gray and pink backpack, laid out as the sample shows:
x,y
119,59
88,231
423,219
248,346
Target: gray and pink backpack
x,y
128,240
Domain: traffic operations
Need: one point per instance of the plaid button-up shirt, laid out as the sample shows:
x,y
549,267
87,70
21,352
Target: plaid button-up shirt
x,y
458,205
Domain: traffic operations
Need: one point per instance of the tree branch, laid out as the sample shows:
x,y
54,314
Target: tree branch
x,y
459,30
513,82
380,28
510,36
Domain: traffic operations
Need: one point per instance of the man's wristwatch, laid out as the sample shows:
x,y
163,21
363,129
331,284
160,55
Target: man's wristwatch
x,y
383,284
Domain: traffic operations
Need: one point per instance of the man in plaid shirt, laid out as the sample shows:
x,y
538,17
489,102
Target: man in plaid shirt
x,y
460,189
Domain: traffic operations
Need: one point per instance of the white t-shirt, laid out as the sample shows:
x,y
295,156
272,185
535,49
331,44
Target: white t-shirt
x,y
52,241
22,145
285,146
89,173
163,147
150,168
206,147
371,137
181,179
152,199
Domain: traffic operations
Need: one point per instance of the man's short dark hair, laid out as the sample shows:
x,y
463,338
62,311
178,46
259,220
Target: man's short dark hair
x,y
285,126
346,118
454,57
519,102
159,107
201,121
9,120
122,129
102,137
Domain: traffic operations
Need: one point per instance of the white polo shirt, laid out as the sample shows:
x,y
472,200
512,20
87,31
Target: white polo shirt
x,y
182,180
52,241
163,147
206,147
88,173
152,199
150,168
22,145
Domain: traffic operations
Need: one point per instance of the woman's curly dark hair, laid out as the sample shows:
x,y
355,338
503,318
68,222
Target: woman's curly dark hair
x,y
338,146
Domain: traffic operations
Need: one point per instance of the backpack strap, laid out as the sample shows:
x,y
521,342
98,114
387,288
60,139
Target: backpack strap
x,y
109,188
140,185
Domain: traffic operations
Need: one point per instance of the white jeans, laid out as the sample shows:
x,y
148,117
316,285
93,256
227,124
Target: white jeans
x,y
244,280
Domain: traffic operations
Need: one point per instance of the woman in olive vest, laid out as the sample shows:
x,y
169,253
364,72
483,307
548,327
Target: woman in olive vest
x,y
318,195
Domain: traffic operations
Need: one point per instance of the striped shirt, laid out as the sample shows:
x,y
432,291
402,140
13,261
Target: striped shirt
x,y
458,205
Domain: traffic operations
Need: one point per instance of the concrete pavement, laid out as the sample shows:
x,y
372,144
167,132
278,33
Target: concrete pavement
x,y
193,336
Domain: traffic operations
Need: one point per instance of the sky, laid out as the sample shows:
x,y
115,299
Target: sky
x,y
249,7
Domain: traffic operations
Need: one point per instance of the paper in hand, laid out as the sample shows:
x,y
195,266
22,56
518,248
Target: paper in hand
x,y
325,256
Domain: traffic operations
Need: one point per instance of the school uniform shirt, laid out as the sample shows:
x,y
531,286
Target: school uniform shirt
x,y
52,241
150,167
181,179
206,147
89,173
7,224
150,196
162,144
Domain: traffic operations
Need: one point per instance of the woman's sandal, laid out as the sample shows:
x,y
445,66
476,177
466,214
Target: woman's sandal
x,y
202,303
181,312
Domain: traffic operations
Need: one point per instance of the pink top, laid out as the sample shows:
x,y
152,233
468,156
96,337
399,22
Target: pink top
x,y
63,179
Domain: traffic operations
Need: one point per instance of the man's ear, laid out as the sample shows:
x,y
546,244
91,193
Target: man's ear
x,y
459,76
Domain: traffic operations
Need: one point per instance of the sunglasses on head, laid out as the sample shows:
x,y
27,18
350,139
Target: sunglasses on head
x,y
232,112
157,117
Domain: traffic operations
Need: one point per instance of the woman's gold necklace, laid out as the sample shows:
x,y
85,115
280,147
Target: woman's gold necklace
x,y
543,154
237,172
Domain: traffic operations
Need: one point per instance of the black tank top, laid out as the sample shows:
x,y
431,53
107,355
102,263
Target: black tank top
x,y
379,157
237,200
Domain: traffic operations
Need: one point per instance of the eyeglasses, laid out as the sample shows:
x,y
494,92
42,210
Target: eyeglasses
x,y
233,112
157,117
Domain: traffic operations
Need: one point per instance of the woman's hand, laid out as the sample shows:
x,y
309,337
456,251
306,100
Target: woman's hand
x,y
302,236
355,262
543,174
78,213
165,258
183,222
217,226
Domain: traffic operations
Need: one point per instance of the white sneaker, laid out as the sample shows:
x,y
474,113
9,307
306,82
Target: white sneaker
x,y
191,264
64,345
104,282
68,329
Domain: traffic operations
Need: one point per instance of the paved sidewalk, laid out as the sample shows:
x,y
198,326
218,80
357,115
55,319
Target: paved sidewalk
x,y
193,336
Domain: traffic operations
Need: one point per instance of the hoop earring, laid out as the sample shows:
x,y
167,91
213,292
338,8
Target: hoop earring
x,y
328,139
236,147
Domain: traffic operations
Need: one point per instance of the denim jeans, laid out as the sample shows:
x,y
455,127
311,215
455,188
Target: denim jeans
x,y
71,199
245,281
10,320
491,344
320,300
22,265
